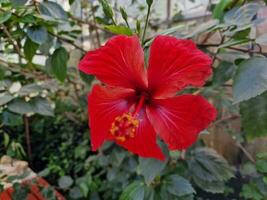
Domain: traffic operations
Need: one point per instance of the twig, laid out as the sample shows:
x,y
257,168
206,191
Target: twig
x,y
146,23
249,156
96,29
27,136
67,41
7,33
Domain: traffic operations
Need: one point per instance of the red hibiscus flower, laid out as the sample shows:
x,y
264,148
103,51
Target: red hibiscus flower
x,y
136,102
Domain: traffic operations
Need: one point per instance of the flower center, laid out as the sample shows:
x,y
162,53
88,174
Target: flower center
x,y
124,126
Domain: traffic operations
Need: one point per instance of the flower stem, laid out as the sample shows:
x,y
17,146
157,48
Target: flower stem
x,y
147,17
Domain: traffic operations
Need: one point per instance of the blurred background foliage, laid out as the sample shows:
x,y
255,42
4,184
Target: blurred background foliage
x,y
43,108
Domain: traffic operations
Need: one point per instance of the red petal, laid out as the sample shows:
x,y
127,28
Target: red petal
x,y
145,142
119,63
175,64
180,119
104,104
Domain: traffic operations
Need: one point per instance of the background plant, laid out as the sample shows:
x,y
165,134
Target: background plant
x,y
43,106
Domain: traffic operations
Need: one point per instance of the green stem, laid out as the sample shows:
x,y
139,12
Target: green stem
x,y
147,17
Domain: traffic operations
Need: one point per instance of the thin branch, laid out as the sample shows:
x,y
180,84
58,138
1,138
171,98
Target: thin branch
x,y
96,29
28,137
243,149
67,41
7,33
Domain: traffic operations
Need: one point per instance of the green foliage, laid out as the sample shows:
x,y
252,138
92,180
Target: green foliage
x,y
30,49
220,8
250,79
150,168
124,30
59,63
134,191
179,186
254,116
209,170
41,42
38,35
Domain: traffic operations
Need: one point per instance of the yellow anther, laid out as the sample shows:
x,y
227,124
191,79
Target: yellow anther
x,y
124,127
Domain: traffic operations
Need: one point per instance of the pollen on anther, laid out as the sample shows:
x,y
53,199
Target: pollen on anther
x,y
124,127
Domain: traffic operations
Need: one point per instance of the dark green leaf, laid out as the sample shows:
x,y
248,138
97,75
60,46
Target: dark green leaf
x,y
59,63
124,30
250,79
38,35
10,119
2,73
150,168
36,105
21,107
30,49
5,98
65,182
209,170
134,191
149,2
149,193
241,16
234,42
42,106
223,73
4,16
123,14
106,8
261,166
179,186
220,8
254,116
18,2
29,89
52,10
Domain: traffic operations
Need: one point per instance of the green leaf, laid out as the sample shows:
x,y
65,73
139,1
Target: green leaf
x,y
262,39
254,116
38,35
250,79
30,49
11,119
179,186
223,72
124,30
251,191
4,16
261,166
149,2
42,106
149,193
234,42
134,191
124,14
2,74
52,10
29,89
59,63
219,9
65,182
21,107
209,170
18,2
107,9
150,168
240,16
5,98
36,105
